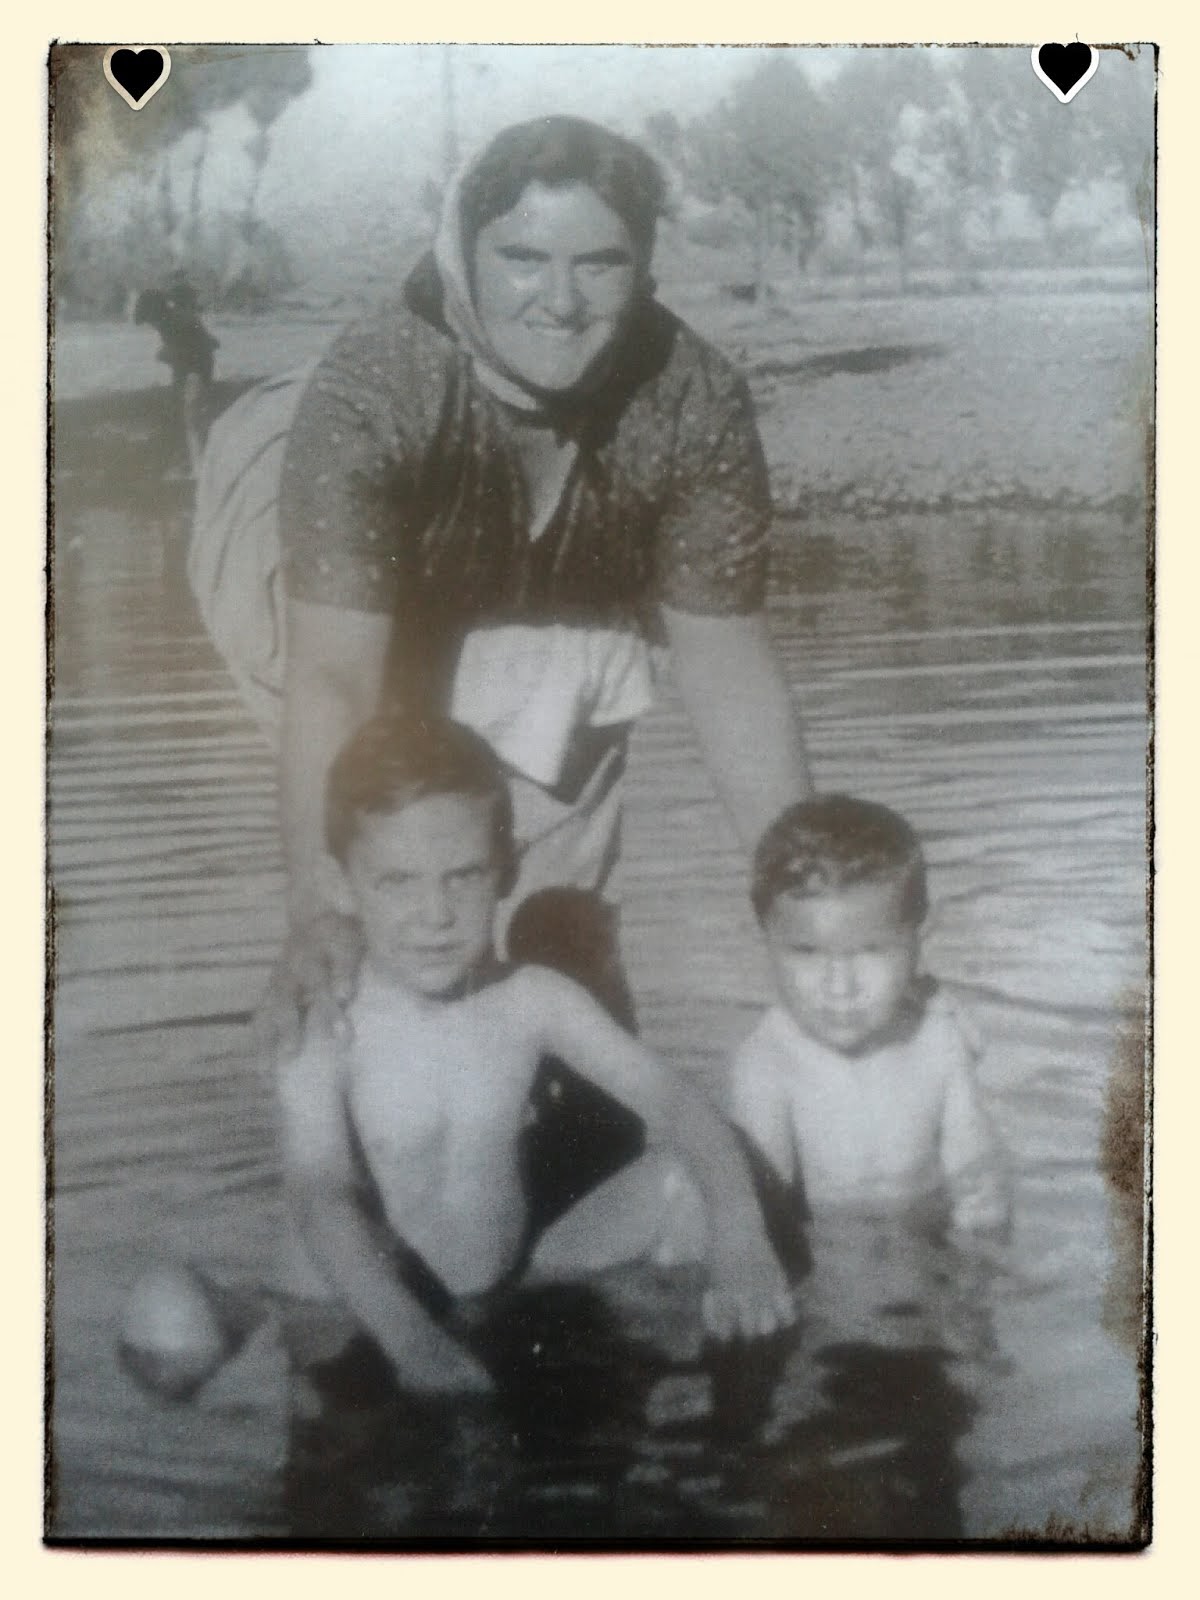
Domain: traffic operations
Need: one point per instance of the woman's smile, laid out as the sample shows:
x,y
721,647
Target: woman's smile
x,y
555,279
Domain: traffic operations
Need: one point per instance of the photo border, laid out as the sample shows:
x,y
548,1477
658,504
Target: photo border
x,y
1177,559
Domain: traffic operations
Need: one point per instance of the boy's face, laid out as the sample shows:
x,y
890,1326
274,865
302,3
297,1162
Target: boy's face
x,y
844,962
424,881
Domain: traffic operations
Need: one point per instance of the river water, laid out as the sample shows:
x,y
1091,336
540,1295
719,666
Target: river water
x,y
984,671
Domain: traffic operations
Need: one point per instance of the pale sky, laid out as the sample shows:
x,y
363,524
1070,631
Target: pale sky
x,y
372,127
349,158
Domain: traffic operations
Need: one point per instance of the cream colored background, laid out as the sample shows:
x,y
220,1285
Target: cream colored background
x,y
27,37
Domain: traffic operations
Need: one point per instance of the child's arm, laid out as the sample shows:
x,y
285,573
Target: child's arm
x,y
757,1107
971,1155
748,1294
319,1175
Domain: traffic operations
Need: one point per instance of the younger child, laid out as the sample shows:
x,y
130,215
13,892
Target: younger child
x,y
860,1082
401,1143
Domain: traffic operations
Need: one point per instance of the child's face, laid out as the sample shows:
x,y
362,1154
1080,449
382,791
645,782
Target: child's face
x,y
424,881
844,962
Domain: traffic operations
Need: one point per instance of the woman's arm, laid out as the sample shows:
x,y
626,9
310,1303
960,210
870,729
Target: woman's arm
x,y
732,684
319,1180
335,667
748,1293
335,663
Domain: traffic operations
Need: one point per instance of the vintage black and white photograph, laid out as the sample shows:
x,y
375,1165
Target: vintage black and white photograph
x,y
597,795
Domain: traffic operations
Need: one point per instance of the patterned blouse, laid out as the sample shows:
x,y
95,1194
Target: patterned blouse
x,y
403,490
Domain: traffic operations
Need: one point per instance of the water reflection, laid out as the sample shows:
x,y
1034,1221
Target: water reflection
x,y
609,1424
918,574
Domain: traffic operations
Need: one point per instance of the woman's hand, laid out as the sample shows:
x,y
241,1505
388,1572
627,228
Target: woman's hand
x,y
313,982
748,1296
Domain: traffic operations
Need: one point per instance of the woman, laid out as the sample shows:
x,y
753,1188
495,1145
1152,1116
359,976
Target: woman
x,y
498,491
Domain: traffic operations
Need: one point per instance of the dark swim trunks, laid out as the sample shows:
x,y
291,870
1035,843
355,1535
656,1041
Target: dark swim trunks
x,y
368,1459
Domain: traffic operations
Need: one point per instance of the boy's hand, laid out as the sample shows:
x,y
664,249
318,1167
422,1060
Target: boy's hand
x,y
748,1297
313,981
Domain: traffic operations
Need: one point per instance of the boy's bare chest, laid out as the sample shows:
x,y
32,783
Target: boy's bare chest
x,y
457,1077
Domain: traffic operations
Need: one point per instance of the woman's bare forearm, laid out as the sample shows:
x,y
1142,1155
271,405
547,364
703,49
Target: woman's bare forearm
x,y
333,684
733,686
317,721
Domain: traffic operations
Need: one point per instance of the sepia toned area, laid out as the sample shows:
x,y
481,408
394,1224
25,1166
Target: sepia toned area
x,y
938,281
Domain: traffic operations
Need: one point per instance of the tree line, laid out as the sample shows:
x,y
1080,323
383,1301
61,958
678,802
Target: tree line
x,y
904,143
121,218
901,153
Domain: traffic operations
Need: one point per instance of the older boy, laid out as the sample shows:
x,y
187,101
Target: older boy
x,y
401,1143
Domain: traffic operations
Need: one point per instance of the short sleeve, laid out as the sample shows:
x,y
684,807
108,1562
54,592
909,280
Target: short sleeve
x,y
353,451
713,538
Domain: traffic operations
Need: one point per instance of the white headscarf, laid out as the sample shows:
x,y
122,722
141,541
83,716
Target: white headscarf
x,y
458,304
462,318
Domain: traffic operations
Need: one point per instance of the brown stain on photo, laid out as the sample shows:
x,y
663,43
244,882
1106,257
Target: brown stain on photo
x,y
1125,1162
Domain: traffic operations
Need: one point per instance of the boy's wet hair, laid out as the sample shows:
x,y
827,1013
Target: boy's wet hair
x,y
398,758
561,150
819,846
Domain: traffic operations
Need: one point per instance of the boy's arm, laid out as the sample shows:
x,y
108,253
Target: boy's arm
x,y
748,1294
319,1175
971,1155
759,1109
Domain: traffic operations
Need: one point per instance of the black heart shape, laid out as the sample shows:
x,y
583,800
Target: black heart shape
x,y
137,71
1065,64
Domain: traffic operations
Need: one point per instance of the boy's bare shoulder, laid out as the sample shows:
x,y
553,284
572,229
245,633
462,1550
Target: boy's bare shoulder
x,y
319,1058
538,992
766,1050
949,1012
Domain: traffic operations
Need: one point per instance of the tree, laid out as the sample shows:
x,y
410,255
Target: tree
x,y
966,139
1116,128
768,147
1047,156
879,102
100,149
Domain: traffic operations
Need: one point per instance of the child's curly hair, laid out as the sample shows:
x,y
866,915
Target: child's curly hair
x,y
819,846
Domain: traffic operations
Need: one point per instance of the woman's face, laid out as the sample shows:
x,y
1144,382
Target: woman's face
x,y
554,280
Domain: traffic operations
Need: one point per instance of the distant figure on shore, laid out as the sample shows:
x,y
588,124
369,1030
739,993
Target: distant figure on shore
x,y
187,348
